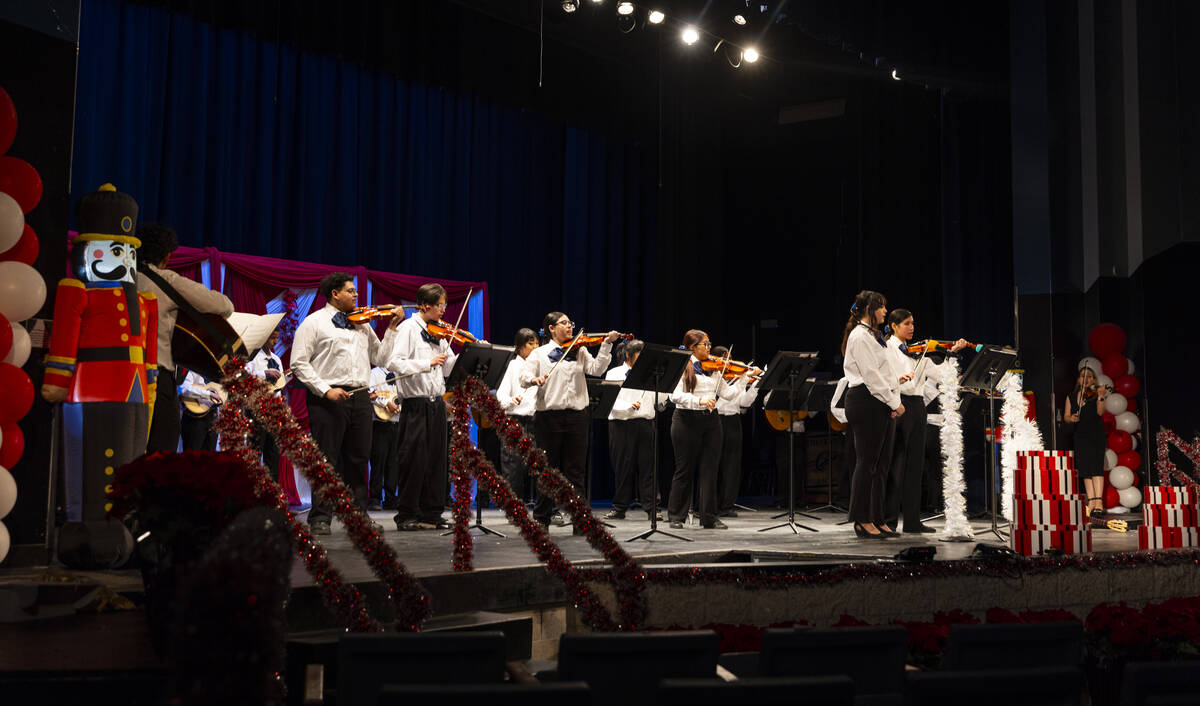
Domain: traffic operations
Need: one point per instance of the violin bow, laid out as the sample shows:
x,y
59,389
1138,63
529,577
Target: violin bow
x,y
466,303
565,354
389,379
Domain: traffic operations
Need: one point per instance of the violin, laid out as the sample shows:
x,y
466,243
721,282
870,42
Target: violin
x,y
594,339
443,330
732,368
364,314
932,346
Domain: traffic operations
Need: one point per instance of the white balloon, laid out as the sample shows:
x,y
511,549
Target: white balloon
x,y
1133,440
1131,497
1110,459
1116,403
1104,380
1118,510
1090,362
3,541
1128,421
20,346
1120,477
12,221
22,291
8,492
1129,366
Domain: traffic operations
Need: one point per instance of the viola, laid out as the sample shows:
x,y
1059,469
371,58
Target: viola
x,y
932,346
364,314
732,368
443,330
594,339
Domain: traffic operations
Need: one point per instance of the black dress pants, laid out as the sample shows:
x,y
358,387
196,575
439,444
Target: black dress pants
x,y
342,430
198,433
908,464
631,447
873,432
513,467
729,473
696,437
563,435
423,459
165,425
384,476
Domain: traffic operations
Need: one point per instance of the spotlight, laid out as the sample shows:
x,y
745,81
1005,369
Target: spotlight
x,y
750,55
739,19
625,8
690,36
570,6
656,17
895,76
597,2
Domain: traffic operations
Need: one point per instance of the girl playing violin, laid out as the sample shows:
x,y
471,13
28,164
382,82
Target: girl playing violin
x,y
1085,411
696,434
518,403
729,471
561,420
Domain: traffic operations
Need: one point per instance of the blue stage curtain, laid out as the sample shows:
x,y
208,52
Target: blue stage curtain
x,y
252,146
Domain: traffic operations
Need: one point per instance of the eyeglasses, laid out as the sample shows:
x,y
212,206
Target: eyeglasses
x,y
569,324
706,344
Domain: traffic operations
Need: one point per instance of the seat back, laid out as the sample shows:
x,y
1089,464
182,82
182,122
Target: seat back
x,y
1144,683
759,691
548,694
1014,645
368,662
1048,686
625,668
873,657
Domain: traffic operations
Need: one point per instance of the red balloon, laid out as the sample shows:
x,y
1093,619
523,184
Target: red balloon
x,y
26,249
1131,405
1110,421
21,181
1119,441
1114,365
1130,459
8,121
1127,385
14,445
18,392
5,336
1106,339
1112,497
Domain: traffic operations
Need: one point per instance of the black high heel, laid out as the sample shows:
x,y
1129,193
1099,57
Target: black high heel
x,y
864,534
887,532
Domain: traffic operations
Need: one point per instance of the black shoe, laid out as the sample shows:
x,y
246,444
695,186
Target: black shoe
x,y
319,527
887,532
716,524
730,513
676,524
918,528
559,519
390,505
409,525
443,523
615,515
864,534
374,506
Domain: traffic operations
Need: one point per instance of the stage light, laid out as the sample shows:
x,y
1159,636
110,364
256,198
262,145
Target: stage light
x,y
656,17
739,19
917,555
895,76
690,36
570,6
750,55
597,2
625,8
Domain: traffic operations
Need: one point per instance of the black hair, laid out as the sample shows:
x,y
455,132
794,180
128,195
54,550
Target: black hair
x,y
158,242
690,339
524,335
628,349
718,351
896,317
866,302
333,282
429,294
548,321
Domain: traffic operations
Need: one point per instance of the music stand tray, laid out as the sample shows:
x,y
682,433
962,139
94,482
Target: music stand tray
x,y
787,371
982,376
658,369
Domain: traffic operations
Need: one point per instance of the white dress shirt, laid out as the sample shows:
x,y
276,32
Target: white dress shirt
x,y
839,413
707,386
868,363
930,392
204,299
261,363
412,354
567,387
324,355
622,408
743,402
511,388
193,388
901,364
383,392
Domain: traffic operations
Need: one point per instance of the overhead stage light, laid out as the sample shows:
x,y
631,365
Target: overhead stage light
x,y
739,19
570,6
597,2
656,17
625,8
895,76
690,36
750,55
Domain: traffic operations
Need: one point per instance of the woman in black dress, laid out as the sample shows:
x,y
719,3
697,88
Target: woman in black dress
x,y
1085,407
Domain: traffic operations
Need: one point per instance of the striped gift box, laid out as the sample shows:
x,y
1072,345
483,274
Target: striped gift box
x,y
1170,515
1167,537
1045,453
1045,482
1036,540
1044,462
1043,510
1170,495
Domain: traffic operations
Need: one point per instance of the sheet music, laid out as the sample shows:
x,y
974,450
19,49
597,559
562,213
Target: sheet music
x,y
254,328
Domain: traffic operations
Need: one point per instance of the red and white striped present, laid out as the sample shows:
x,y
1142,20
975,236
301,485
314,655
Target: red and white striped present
x,y
1045,459
1045,483
1170,495
1167,537
1057,511
1170,515
1035,540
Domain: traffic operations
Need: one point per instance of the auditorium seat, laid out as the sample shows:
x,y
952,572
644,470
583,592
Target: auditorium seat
x,y
368,662
625,668
1014,646
135,687
744,665
1049,686
761,691
1145,683
872,657
550,694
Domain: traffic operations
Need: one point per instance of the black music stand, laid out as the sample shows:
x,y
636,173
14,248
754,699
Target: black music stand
x,y
982,376
820,397
786,371
602,394
780,401
487,362
658,369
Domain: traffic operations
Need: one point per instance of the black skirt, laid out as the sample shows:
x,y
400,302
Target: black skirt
x,y
1090,441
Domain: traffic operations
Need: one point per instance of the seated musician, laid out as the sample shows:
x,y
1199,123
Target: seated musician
x,y
198,416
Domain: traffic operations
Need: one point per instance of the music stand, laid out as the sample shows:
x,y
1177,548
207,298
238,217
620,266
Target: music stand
x,y
487,362
982,376
658,369
786,371
602,394
820,397
778,400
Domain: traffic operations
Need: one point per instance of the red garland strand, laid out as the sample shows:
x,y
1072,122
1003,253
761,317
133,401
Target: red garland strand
x,y
1166,467
255,396
629,580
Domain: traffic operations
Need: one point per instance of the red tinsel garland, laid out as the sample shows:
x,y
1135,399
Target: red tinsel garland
x,y
1166,467
291,318
628,579
255,396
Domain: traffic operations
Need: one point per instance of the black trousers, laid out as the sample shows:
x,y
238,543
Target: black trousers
x,y
165,426
908,464
265,443
197,432
422,459
932,497
563,435
631,448
696,437
342,431
846,471
511,464
729,472
384,477
873,433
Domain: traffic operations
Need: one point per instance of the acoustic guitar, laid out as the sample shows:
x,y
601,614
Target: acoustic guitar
x,y
781,419
201,407
205,344
380,411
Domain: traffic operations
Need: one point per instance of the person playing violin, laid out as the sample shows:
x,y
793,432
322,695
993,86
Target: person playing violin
x,y
631,438
519,403
1085,411
696,434
729,472
558,369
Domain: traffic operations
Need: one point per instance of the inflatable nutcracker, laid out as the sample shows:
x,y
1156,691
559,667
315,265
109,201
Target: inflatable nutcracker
x,y
101,365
